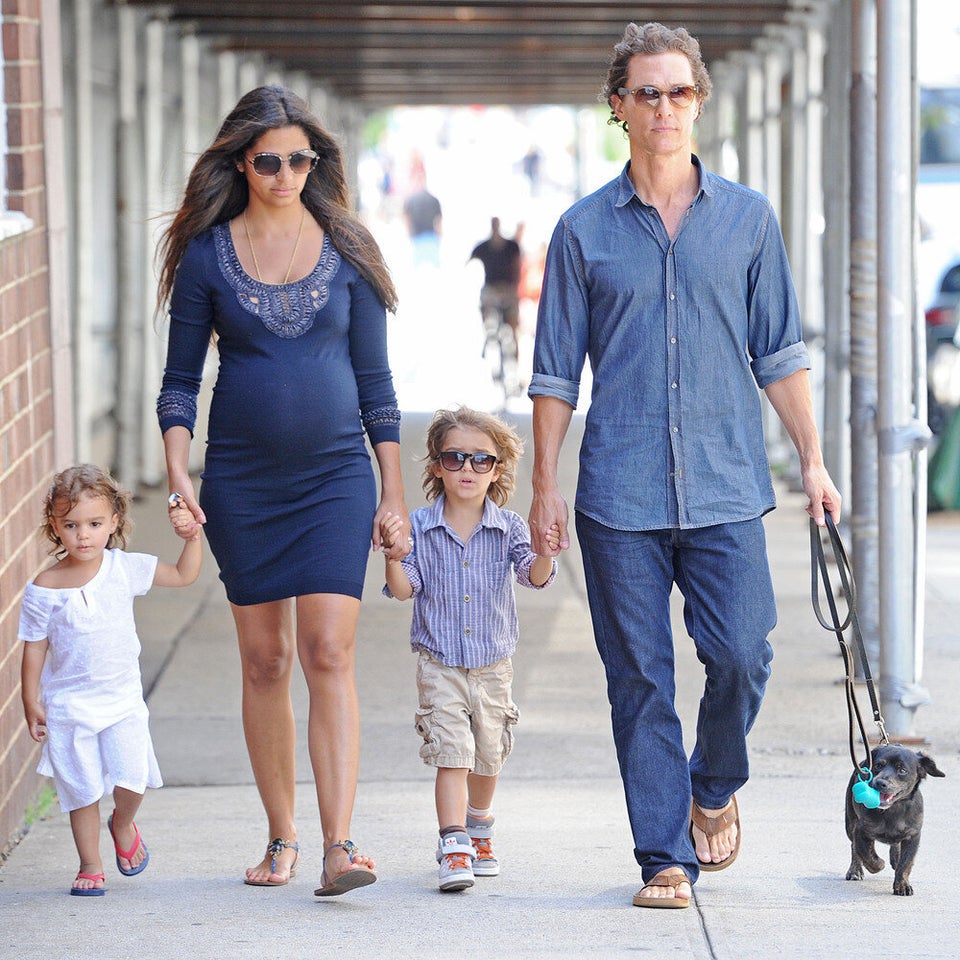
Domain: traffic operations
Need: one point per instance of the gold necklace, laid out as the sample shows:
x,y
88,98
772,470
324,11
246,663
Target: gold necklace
x,y
293,256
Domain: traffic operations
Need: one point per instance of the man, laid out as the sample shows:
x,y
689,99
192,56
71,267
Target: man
x,y
501,261
676,285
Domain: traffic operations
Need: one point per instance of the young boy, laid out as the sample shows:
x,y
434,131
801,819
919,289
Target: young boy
x,y
466,550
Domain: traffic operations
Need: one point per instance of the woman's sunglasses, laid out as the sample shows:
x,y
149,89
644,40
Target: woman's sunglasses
x,y
269,164
454,460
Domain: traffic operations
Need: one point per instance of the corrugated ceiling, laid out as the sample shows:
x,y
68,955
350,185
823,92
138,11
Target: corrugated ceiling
x,y
407,52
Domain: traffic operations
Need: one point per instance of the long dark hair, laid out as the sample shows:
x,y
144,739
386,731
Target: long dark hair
x,y
216,192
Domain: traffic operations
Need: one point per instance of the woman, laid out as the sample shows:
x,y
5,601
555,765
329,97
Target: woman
x,y
265,256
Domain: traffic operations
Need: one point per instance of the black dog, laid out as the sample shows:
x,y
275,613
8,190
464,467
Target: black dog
x,y
897,773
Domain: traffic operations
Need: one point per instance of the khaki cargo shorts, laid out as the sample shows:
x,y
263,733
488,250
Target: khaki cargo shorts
x,y
466,715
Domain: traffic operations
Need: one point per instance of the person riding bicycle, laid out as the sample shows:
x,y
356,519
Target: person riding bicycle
x,y
500,296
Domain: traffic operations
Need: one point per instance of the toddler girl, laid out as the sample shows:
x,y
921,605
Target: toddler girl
x,y
81,647
466,553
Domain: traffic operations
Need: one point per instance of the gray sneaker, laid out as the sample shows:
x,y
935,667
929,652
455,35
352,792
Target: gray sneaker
x,y
455,855
481,836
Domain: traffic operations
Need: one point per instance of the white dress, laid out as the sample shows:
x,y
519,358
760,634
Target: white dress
x,y
97,721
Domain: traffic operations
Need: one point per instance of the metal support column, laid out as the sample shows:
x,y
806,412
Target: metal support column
x,y
900,433
750,140
835,252
129,324
84,243
864,489
228,92
153,146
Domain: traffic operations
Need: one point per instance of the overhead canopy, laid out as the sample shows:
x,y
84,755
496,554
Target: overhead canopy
x,y
409,52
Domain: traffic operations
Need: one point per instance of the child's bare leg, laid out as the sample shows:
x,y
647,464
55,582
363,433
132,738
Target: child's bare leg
x,y
451,796
480,790
85,823
126,805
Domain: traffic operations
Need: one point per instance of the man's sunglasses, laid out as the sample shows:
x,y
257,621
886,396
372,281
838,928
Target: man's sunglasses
x,y
454,460
269,164
680,96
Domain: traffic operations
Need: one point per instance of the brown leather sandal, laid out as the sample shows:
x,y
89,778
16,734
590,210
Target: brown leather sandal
x,y
665,879
711,826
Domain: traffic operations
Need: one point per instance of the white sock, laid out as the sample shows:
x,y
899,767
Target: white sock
x,y
478,814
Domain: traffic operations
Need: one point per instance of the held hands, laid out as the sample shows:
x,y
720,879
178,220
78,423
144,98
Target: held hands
x,y
548,523
391,537
552,540
181,518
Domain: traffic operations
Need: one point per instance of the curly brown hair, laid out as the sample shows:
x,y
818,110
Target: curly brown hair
x,y
69,487
215,193
653,38
504,438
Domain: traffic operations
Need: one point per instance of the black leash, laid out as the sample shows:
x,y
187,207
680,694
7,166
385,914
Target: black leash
x,y
818,564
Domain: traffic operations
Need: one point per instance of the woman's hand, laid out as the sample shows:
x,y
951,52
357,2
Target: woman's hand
x,y
181,518
393,519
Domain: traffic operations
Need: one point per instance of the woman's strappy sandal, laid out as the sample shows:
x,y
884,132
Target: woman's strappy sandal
x,y
274,849
349,879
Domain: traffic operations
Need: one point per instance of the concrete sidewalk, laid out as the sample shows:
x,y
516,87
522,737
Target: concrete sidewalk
x,y
562,836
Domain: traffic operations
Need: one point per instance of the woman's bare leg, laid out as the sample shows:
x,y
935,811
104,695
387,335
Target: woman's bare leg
x,y
326,634
265,633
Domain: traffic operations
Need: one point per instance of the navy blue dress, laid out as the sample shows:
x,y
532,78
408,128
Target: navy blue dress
x,y
288,487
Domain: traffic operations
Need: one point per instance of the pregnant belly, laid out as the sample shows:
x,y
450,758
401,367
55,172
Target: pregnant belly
x,y
283,421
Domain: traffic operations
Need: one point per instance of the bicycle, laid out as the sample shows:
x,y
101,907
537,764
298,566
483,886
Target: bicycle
x,y
498,305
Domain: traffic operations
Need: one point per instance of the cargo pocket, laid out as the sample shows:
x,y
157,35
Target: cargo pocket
x,y
423,722
510,718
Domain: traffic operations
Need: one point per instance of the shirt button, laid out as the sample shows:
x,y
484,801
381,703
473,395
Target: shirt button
x,y
674,385
676,429
673,339
467,631
466,563
466,599
673,296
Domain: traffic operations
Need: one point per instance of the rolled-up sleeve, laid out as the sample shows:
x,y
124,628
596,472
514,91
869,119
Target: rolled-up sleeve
x,y
779,365
563,322
775,330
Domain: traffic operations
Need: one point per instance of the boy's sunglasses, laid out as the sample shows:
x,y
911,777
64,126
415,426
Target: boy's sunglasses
x,y
269,164
454,460
679,96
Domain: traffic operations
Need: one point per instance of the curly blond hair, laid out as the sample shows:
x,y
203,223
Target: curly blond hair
x,y
69,487
507,443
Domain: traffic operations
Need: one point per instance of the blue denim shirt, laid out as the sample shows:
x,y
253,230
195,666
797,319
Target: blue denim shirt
x,y
679,335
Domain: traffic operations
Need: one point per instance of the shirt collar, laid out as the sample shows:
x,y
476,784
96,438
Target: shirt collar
x,y
493,516
626,190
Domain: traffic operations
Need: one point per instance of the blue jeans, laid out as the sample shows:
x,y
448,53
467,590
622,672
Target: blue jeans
x,y
723,574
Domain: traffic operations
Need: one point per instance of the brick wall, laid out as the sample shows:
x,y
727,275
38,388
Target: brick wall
x,y
26,390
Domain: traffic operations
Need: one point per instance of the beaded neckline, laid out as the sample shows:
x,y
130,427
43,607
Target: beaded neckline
x,y
285,309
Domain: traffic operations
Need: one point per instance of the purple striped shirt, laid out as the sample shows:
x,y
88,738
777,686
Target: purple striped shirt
x,y
464,609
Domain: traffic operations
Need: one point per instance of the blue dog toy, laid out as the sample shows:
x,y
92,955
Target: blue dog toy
x,y
863,793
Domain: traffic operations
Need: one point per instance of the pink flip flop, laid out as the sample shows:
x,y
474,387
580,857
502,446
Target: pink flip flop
x,y
128,854
88,891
